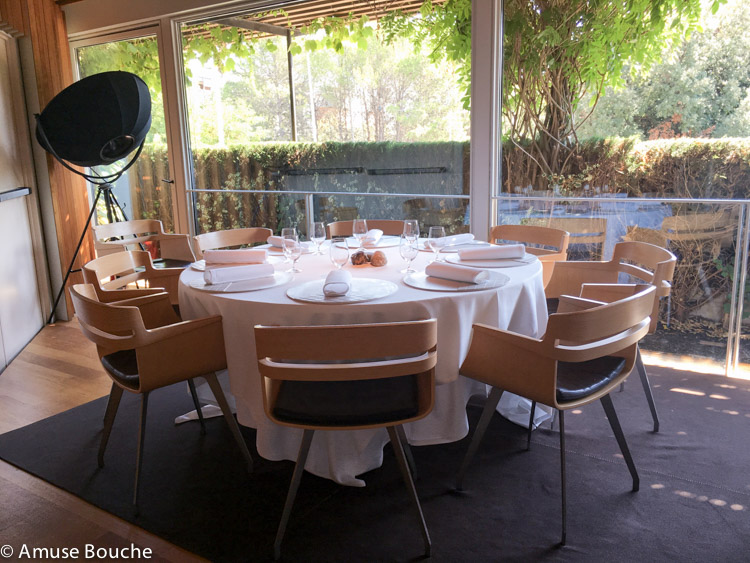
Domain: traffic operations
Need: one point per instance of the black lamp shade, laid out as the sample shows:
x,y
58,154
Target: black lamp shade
x,y
97,120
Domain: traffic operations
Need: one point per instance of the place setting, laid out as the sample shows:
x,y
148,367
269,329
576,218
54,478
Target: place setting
x,y
440,275
493,256
236,271
339,286
363,237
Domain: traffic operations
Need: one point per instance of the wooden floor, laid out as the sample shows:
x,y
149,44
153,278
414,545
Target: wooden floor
x,y
57,371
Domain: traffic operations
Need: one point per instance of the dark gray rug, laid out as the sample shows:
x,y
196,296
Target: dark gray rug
x,y
693,504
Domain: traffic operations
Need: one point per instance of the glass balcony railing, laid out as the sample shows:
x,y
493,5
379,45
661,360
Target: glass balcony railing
x,y
705,319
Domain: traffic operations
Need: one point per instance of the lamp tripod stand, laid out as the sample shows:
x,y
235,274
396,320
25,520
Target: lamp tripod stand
x,y
113,208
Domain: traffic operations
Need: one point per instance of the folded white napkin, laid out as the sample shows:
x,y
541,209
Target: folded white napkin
x,y
372,238
236,256
237,273
493,252
463,238
278,242
455,273
338,282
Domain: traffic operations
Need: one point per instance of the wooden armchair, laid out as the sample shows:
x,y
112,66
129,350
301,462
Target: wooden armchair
x,y
115,276
143,346
548,244
174,249
231,237
640,262
588,349
344,228
376,376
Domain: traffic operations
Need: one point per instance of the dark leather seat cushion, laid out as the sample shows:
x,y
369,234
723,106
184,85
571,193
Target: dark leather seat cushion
x,y
123,367
552,304
347,403
577,380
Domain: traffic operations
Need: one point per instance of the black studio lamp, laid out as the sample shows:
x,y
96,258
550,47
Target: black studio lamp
x,y
94,122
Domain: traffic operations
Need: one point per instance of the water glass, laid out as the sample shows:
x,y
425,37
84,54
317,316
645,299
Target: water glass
x,y
292,250
411,229
287,232
436,241
359,231
339,252
318,235
408,249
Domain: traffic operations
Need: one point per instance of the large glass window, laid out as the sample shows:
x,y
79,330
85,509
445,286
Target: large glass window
x,y
294,119
145,191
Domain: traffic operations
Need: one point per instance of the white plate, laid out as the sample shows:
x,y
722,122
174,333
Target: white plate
x,y
278,278
362,289
384,242
420,280
454,247
200,265
504,263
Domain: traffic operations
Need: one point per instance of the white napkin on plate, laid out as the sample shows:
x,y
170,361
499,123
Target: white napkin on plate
x,y
235,256
463,238
456,273
372,238
493,252
338,282
237,273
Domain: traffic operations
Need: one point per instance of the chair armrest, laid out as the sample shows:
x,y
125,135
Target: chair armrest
x,y
511,362
181,351
610,292
114,295
156,309
570,304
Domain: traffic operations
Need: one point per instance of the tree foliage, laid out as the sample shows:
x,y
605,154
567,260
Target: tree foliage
x,y
557,51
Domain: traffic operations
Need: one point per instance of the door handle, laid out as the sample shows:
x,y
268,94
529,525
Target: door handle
x,y
167,181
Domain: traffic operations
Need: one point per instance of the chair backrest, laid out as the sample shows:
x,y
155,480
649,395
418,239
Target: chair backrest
x,y
344,228
650,264
603,330
348,353
172,246
231,237
582,230
111,328
539,240
115,271
698,226
550,245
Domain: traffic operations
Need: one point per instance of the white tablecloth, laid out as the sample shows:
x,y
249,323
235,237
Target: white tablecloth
x,y
341,455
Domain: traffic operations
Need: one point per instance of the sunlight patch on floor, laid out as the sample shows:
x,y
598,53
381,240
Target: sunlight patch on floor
x,y
690,363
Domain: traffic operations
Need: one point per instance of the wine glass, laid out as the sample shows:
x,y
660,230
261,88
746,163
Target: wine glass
x,y
287,232
408,250
292,250
436,241
318,235
411,229
359,231
339,252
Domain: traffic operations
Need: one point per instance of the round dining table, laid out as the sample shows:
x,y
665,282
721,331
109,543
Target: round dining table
x,y
518,305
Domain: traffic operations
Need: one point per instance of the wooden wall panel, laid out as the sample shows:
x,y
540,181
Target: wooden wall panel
x,y
13,18
54,72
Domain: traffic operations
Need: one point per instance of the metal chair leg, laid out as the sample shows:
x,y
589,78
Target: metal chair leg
x,y
407,450
393,433
141,439
191,385
489,407
299,468
646,388
531,425
562,479
109,418
609,410
213,383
